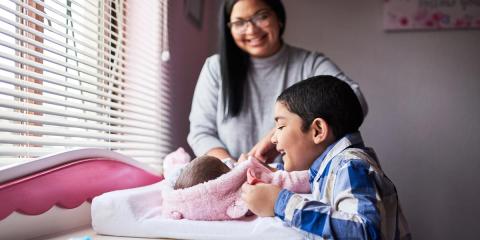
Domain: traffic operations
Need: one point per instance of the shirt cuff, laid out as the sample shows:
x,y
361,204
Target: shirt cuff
x,y
281,203
280,166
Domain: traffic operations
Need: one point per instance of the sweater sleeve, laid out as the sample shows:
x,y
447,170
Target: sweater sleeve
x,y
324,66
203,135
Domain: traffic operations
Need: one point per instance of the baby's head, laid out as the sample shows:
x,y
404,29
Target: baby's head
x,y
199,170
312,114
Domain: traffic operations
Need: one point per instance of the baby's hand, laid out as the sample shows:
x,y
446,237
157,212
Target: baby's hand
x,y
268,166
260,198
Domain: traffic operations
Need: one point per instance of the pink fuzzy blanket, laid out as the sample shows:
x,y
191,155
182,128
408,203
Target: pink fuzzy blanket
x,y
219,199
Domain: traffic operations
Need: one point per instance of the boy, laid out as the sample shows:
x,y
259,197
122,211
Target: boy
x,y
317,123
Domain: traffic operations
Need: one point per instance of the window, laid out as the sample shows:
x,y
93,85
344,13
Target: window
x,y
84,74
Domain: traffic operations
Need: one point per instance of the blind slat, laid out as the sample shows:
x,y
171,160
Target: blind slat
x,y
71,76
57,121
149,69
49,141
88,10
145,102
72,105
58,32
78,114
25,152
148,111
55,131
98,68
52,19
41,151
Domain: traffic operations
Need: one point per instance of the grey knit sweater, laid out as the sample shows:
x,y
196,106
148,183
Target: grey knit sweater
x,y
267,78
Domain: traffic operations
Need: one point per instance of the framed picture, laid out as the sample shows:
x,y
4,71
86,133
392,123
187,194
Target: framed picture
x,y
431,14
194,11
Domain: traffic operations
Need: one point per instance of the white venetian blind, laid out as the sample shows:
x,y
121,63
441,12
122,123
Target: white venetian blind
x,y
84,73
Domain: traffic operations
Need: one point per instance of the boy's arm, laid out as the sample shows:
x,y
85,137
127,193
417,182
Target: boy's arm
x,y
352,214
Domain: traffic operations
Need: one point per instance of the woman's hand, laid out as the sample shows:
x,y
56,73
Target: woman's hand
x,y
243,157
265,150
260,198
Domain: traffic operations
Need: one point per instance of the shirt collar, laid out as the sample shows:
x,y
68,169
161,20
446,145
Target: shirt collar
x,y
349,140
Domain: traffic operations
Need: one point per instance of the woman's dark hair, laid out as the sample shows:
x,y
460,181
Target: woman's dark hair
x,y
324,97
233,61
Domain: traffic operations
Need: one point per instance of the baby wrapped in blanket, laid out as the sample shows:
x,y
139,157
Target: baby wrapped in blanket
x,y
207,189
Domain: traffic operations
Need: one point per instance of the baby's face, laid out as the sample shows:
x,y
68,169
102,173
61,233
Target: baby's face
x,y
296,146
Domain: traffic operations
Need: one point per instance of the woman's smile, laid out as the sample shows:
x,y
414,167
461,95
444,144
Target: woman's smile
x,y
262,40
257,41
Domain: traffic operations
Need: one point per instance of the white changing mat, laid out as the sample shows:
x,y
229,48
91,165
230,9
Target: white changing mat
x,y
136,213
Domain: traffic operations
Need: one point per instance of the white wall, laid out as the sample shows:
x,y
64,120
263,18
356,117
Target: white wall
x,y
423,89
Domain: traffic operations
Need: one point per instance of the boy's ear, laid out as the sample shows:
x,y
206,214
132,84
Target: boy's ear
x,y
320,130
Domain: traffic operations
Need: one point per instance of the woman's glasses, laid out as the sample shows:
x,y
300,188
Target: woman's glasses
x,y
261,19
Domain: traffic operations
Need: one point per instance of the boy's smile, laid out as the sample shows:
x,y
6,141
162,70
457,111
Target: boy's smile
x,y
297,147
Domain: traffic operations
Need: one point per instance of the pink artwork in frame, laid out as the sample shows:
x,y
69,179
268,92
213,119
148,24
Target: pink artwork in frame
x,y
431,14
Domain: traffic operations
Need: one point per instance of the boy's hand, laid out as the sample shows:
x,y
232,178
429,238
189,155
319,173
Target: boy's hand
x,y
260,198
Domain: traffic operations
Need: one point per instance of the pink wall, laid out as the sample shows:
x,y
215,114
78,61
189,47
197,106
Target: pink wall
x,y
189,48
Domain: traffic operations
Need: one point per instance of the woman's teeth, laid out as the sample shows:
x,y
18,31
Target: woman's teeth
x,y
255,41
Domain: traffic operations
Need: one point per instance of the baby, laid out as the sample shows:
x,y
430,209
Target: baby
x,y
203,169
209,182
199,170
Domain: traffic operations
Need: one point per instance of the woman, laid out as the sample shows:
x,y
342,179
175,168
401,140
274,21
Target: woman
x,y
232,106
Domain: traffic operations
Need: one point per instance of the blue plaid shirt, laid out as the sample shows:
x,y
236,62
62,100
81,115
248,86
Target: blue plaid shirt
x,y
352,197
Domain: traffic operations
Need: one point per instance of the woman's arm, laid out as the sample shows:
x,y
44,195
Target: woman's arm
x,y
203,135
220,153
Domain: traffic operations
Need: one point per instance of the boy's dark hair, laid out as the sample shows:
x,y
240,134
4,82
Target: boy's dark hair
x,y
199,170
234,61
325,97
